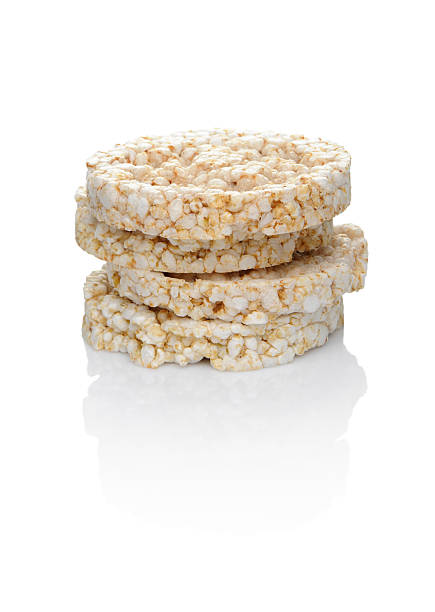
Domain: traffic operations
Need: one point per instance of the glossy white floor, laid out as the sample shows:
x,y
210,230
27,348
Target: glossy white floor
x,y
305,487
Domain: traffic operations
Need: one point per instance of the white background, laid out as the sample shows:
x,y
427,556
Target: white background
x,y
305,487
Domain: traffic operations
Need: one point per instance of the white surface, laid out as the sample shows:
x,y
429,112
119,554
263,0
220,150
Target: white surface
x,y
304,487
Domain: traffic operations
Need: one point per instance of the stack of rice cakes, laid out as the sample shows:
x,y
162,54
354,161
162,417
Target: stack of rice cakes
x,y
219,245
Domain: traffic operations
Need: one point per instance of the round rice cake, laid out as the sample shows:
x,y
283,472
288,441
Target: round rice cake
x,y
133,249
208,185
152,337
256,296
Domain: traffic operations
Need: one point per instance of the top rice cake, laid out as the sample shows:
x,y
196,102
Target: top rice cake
x,y
209,185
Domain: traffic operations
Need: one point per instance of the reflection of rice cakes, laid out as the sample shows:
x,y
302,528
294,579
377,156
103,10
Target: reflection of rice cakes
x,y
309,281
238,450
207,185
137,250
154,337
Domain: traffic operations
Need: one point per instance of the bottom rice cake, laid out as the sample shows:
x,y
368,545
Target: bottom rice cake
x,y
152,337
303,285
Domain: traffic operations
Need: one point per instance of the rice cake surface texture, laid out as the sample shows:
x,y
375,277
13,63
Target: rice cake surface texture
x,y
208,185
153,337
253,297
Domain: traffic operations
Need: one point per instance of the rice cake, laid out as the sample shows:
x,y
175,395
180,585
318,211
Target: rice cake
x,y
137,250
208,185
253,297
152,337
